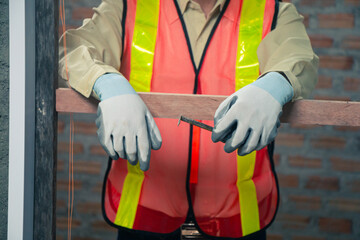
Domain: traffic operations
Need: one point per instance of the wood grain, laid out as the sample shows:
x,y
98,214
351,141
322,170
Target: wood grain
x,y
162,105
46,25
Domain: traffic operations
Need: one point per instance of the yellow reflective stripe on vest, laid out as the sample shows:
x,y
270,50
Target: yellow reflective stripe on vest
x,y
250,35
130,195
142,58
143,44
247,71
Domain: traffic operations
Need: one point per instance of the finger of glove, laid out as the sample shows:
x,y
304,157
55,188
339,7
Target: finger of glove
x,y
104,138
130,148
250,144
118,140
224,127
144,149
107,143
268,135
238,138
223,108
154,133
98,122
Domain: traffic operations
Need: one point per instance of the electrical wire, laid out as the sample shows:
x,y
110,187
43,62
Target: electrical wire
x,y
70,204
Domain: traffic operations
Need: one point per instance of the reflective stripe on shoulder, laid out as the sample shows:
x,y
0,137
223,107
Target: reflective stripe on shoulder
x,y
247,71
143,44
250,36
142,58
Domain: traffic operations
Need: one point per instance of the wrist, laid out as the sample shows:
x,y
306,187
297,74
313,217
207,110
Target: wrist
x,y
277,86
112,84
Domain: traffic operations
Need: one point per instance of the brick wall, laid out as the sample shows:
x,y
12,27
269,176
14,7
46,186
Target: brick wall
x,y
318,167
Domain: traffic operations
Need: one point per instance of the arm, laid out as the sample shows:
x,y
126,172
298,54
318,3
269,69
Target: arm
x,y
249,118
93,49
288,49
126,128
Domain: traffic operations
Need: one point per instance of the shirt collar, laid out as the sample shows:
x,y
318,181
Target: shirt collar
x,y
183,4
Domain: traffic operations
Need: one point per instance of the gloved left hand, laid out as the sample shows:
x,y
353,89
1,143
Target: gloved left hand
x,y
248,119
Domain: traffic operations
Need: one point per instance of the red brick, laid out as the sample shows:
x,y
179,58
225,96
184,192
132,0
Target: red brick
x,y
289,139
88,207
324,82
271,236
303,126
60,165
352,84
307,238
345,165
293,221
87,167
323,183
346,128
60,126
98,187
102,225
306,202
336,20
67,27
85,128
336,62
354,185
277,159
342,204
321,41
335,225
306,20
84,238
334,98
352,42
60,204
322,3
288,181
97,150
82,12
63,147
352,2
63,185
300,161
328,142
62,223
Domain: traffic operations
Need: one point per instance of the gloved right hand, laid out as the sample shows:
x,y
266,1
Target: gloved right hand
x,y
126,128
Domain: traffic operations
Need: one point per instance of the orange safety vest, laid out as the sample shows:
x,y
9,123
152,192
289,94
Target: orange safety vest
x,y
227,195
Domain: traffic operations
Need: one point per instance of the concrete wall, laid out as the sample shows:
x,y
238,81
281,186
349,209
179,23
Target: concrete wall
x,y
318,167
4,114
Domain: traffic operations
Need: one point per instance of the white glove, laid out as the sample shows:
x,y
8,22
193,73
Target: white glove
x,y
126,128
248,119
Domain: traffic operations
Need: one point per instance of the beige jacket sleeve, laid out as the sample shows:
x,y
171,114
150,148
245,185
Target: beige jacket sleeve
x,y
93,49
288,49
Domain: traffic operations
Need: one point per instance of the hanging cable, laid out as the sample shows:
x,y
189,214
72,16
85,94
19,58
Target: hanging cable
x,y
70,204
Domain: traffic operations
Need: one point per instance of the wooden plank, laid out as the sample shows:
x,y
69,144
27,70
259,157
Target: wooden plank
x,y
162,105
46,23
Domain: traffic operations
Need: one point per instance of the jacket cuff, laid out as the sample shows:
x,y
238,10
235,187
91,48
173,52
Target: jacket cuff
x,y
85,85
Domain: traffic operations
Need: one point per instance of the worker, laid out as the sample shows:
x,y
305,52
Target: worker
x,y
161,177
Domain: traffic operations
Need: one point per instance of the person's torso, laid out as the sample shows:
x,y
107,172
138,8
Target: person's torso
x,y
230,196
